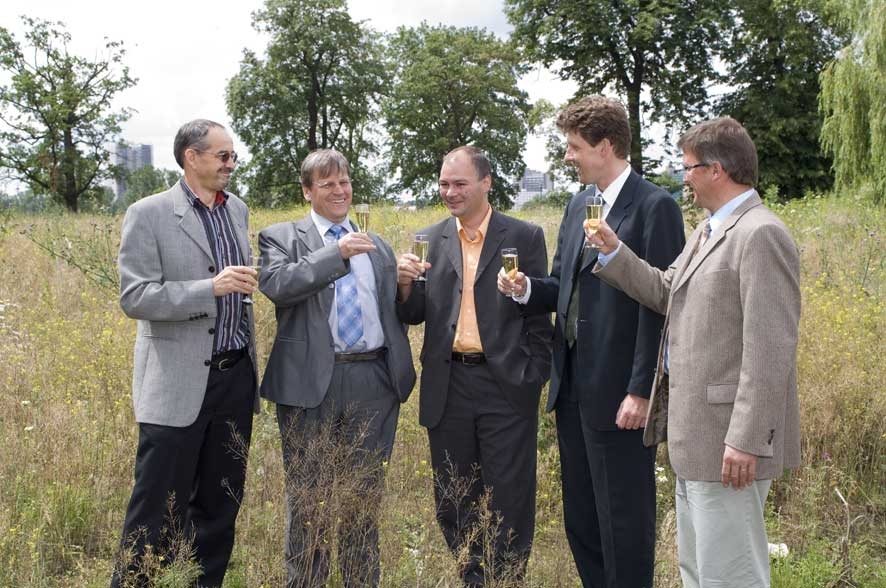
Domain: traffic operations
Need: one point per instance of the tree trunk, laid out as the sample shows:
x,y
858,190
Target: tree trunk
x,y
69,171
634,122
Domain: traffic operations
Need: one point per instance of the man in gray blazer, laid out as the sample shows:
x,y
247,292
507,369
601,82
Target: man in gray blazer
x,y
484,364
726,382
183,275
339,369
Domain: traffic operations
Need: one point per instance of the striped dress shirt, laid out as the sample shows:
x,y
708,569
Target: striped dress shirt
x,y
231,326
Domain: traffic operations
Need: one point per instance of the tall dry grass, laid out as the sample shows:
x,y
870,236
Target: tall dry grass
x,y
67,436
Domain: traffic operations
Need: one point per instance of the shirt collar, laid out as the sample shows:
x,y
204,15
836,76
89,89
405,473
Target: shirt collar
x,y
323,224
221,197
610,194
481,230
719,217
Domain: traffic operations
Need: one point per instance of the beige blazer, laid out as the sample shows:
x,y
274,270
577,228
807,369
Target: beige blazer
x,y
733,310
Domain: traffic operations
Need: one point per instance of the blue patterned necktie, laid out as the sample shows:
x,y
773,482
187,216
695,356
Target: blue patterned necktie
x,y
347,304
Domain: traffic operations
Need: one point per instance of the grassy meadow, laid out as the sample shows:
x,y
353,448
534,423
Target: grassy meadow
x,y
67,435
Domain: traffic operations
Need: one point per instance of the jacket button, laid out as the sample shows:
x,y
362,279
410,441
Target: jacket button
x,y
212,331
207,363
212,268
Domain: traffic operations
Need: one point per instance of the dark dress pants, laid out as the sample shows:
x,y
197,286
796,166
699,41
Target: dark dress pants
x,y
480,444
189,480
333,459
608,497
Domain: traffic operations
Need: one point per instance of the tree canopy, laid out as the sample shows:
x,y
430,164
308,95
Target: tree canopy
x,y
656,54
56,119
318,85
454,86
853,99
775,71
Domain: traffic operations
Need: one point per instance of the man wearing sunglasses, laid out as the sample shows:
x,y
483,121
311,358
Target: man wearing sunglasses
x,y
183,275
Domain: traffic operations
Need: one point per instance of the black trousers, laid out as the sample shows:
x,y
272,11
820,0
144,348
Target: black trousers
x,y
333,458
482,444
189,480
608,498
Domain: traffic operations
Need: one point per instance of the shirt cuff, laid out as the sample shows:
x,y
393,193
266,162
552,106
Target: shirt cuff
x,y
525,297
603,258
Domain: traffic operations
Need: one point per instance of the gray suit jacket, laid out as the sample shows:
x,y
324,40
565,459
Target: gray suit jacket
x,y
732,321
166,270
298,274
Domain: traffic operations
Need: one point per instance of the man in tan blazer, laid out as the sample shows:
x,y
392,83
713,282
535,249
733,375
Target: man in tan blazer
x,y
727,365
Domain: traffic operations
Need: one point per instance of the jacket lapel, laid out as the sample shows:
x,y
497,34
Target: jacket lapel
x,y
189,222
452,246
696,260
495,234
308,234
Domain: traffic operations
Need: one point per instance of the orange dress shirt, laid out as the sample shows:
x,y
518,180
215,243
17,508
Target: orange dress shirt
x,y
467,334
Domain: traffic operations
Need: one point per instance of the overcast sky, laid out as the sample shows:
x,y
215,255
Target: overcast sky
x,y
183,52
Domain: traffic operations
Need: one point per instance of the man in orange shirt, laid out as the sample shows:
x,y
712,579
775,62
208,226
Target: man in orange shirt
x,y
483,366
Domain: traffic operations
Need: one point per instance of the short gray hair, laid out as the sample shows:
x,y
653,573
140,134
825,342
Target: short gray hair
x,y
324,162
192,135
726,141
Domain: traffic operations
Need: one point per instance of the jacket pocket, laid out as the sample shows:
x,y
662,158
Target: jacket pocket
x,y
722,393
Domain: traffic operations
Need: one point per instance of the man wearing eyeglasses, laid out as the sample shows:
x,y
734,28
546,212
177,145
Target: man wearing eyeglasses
x,y
339,369
726,387
183,275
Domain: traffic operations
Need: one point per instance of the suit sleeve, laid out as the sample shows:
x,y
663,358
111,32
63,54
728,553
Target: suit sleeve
x,y
663,240
538,327
288,278
145,293
769,286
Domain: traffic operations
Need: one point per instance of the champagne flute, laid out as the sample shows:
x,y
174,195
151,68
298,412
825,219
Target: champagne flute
x,y
509,261
594,209
254,263
420,250
362,217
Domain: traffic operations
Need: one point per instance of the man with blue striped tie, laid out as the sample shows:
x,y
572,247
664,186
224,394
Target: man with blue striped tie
x,y
339,369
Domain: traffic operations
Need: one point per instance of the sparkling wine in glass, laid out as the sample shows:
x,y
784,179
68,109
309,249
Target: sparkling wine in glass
x,y
362,211
254,263
594,209
420,250
509,261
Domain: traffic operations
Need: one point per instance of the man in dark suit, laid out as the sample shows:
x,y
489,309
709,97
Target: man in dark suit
x,y
605,347
339,369
183,274
484,363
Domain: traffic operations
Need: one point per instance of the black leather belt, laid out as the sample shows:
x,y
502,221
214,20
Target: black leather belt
x,y
227,359
362,356
469,358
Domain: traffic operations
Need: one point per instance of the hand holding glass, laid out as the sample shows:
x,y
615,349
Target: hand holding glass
x,y
420,250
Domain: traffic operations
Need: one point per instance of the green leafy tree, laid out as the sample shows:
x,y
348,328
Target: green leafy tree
x,y
454,86
56,118
853,99
775,71
656,54
318,85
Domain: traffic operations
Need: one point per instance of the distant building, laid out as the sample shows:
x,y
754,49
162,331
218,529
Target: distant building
x,y
131,158
532,185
